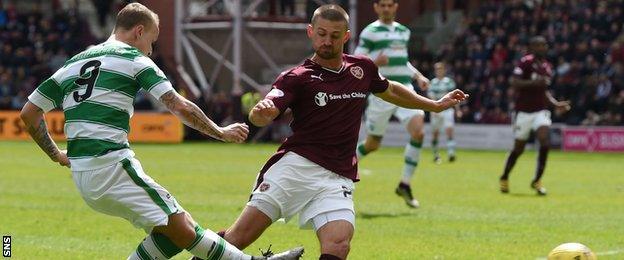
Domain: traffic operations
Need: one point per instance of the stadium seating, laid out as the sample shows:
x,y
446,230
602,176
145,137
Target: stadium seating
x,y
585,48
33,44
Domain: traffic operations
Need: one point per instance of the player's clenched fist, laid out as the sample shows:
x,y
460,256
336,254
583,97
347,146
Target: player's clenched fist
x,y
266,109
263,113
61,158
235,133
423,83
264,105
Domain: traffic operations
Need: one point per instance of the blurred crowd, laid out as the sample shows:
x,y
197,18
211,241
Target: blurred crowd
x,y
586,50
34,43
33,46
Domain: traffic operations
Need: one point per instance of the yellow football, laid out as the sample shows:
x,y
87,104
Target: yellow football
x,y
571,251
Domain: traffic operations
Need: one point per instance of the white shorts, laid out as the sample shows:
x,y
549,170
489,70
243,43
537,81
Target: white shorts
x,y
295,184
525,122
378,113
444,119
124,190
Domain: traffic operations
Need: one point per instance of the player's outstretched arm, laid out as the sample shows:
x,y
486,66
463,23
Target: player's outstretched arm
x,y
516,82
263,113
560,105
32,116
193,117
401,96
423,82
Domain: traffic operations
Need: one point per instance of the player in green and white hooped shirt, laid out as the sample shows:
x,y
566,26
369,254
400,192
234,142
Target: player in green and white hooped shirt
x,y
385,42
96,90
441,85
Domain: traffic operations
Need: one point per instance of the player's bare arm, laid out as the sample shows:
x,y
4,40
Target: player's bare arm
x,y
562,105
516,82
381,59
400,95
458,111
193,117
263,113
423,82
38,130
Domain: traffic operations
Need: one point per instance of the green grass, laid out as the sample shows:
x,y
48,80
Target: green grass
x,y
462,214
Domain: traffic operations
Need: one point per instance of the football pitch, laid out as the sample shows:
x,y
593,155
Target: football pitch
x,y
462,214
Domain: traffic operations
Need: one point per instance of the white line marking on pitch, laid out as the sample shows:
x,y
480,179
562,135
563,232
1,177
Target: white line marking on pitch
x,y
612,252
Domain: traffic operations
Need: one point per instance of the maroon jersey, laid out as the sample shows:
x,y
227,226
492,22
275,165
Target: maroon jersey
x,y
533,98
327,109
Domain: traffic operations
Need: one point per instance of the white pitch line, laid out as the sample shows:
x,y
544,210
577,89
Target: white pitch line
x,y
612,252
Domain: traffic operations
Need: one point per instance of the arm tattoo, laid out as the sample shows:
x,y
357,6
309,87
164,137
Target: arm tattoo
x,y
190,114
196,119
41,136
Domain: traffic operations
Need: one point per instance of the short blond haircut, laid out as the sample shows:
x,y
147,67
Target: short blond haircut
x,y
135,14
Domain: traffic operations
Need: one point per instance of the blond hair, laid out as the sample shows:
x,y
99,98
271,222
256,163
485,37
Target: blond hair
x,y
135,14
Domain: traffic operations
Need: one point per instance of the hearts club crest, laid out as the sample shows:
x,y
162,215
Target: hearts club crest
x,y
357,72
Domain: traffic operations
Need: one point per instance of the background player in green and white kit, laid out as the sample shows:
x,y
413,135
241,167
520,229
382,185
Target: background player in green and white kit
x,y
441,85
385,42
96,89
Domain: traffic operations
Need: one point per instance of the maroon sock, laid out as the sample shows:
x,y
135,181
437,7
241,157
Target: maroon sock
x,y
541,163
509,164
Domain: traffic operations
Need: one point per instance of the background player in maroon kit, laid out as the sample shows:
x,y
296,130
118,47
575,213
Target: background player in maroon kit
x,y
313,171
531,79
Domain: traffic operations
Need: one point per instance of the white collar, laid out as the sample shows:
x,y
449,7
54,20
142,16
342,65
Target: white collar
x,y
392,25
113,41
328,69
335,71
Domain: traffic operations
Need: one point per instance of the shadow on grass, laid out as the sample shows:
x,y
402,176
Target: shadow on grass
x,y
367,215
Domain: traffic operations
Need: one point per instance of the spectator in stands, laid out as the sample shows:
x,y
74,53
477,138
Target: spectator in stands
x,y
3,16
103,8
587,50
5,90
32,44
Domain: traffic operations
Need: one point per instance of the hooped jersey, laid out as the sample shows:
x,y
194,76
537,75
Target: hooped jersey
x,y
96,90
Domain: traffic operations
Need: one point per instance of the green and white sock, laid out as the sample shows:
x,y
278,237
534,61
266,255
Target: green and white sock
x,y
210,246
360,151
434,147
412,156
155,246
450,146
